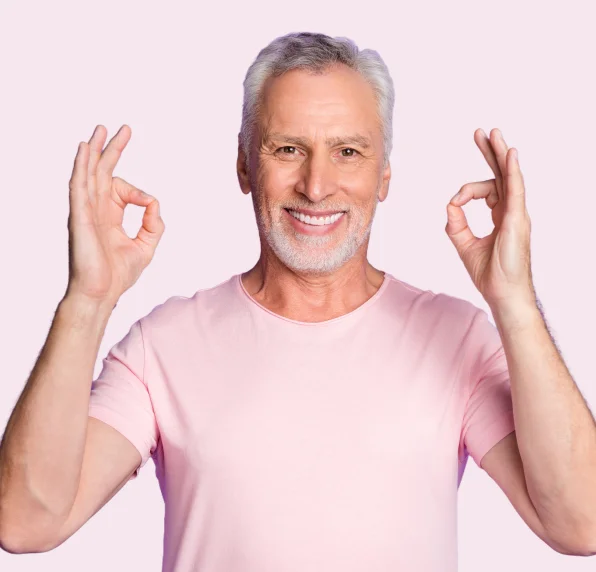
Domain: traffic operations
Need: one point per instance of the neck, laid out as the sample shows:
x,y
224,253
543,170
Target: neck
x,y
311,297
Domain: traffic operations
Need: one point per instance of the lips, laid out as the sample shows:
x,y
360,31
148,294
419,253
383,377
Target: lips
x,y
310,212
313,229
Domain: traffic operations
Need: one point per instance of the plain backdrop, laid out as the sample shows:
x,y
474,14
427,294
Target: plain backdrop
x,y
173,72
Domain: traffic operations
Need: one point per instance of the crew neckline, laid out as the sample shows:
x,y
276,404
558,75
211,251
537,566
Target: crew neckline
x,y
387,278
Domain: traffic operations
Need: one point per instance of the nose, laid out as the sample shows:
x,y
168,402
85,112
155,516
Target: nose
x,y
318,180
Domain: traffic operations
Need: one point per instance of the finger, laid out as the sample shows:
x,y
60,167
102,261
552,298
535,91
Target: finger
x,y
477,190
96,144
516,200
500,148
78,193
125,193
110,156
486,148
457,229
152,227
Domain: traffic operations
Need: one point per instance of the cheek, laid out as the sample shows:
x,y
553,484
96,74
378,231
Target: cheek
x,y
276,175
273,190
361,197
360,185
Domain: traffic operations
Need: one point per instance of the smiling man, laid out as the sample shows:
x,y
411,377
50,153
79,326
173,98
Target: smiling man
x,y
313,413
318,168
315,188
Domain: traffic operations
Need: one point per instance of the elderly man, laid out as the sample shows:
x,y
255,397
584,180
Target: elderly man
x,y
313,413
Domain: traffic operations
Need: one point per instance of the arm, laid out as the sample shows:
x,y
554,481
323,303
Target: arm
x,y
49,458
554,429
48,437
556,433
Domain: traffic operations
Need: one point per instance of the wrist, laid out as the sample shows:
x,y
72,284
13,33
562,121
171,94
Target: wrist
x,y
517,314
84,310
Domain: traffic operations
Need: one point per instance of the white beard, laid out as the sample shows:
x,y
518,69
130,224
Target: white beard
x,y
307,254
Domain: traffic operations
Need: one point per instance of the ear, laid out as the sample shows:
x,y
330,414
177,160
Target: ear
x,y
384,190
243,177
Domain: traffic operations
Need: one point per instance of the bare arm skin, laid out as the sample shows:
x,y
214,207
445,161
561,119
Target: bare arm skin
x,y
58,466
49,435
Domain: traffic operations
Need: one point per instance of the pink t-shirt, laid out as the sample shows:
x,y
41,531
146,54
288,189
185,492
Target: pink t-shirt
x,y
287,446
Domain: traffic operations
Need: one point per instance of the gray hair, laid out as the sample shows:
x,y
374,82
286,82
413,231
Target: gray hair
x,y
316,52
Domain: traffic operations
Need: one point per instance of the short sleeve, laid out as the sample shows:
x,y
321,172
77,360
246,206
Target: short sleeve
x,y
488,414
120,397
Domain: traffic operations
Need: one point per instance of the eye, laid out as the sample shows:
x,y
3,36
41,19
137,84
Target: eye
x,y
286,147
352,152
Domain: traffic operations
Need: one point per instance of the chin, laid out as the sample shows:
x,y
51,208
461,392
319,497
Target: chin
x,y
312,256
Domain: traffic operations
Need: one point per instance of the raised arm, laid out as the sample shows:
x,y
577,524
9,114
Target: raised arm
x,y
57,465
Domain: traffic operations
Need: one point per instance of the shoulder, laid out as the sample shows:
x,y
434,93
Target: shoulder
x,y
179,309
439,307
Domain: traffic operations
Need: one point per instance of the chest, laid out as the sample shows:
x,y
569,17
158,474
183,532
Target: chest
x,y
308,414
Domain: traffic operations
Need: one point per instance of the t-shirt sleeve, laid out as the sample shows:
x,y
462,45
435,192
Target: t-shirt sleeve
x,y
488,414
120,396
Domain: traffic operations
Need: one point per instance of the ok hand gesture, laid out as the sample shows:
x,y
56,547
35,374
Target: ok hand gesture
x,y
499,263
103,261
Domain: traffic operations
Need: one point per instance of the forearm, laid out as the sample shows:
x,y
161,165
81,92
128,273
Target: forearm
x,y
42,449
555,430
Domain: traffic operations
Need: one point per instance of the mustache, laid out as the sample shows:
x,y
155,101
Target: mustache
x,y
319,209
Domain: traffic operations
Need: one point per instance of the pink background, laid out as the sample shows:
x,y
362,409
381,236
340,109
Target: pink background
x,y
174,75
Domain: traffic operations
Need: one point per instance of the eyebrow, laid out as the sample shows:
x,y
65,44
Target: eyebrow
x,y
356,138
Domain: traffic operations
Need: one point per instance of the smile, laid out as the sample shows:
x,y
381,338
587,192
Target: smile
x,y
316,221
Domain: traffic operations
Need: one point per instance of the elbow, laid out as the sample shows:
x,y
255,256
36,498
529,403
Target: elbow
x,y
588,546
16,542
10,545
572,532
581,543
583,550
15,538
21,544
24,530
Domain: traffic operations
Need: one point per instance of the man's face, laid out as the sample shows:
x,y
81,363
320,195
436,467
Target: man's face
x,y
318,150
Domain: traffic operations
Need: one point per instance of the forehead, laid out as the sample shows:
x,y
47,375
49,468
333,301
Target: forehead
x,y
300,101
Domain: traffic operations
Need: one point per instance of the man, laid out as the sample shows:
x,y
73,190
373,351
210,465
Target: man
x,y
313,413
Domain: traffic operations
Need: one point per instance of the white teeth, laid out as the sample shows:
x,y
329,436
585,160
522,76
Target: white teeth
x,y
316,221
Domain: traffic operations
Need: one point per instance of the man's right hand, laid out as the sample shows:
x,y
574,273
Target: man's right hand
x,y
103,261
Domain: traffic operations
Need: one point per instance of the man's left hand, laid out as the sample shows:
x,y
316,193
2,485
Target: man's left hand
x,y
499,263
